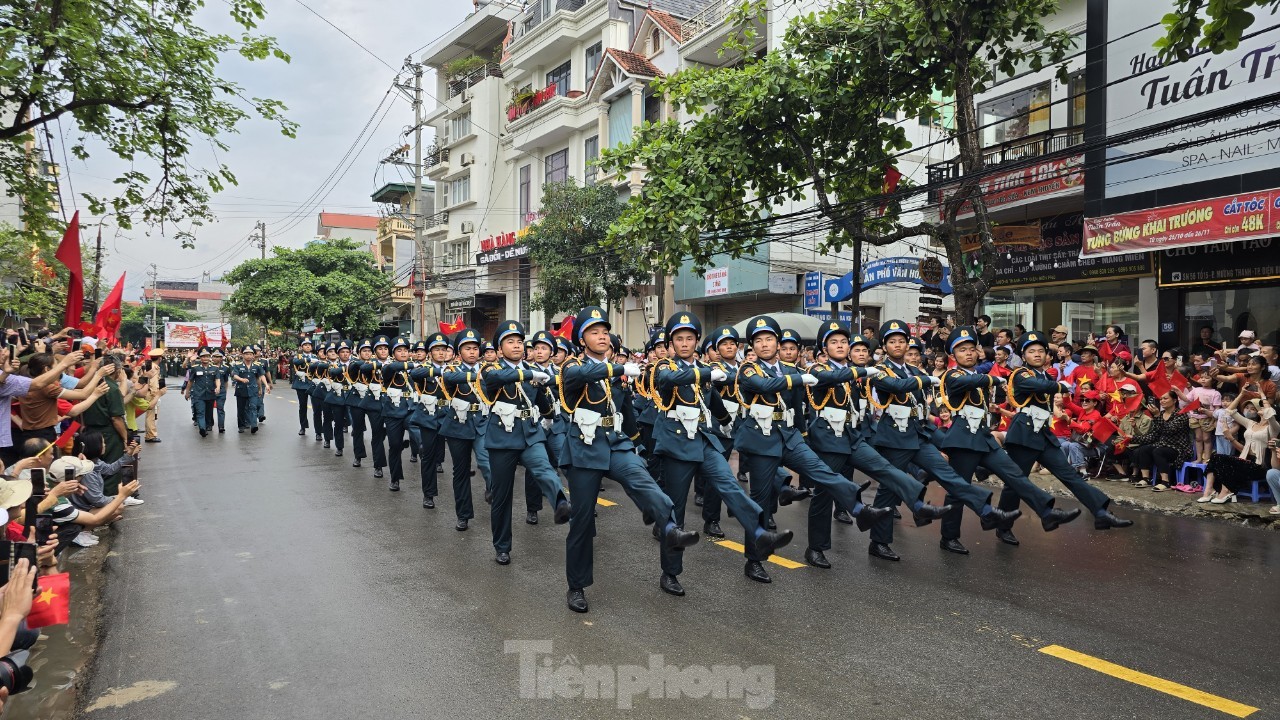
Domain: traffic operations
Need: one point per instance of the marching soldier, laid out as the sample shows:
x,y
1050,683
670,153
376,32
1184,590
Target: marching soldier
x,y
356,396
599,444
418,358
335,401
904,435
396,406
438,353
318,369
1029,439
544,349
517,400
725,341
428,406
463,423
372,403
268,380
201,390
250,387
789,347
489,353
969,442
835,434
770,436
690,443
223,372
301,383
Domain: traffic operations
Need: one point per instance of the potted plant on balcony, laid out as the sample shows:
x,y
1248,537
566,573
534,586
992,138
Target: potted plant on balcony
x,y
520,101
462,67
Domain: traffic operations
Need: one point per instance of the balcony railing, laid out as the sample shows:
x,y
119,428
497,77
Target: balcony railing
x,y
710,16
457,86
1044,143
533,17
436,220
435,155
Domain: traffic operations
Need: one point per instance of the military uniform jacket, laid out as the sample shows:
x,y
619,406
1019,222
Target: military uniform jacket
x,y
507,384
559,418
395,376
760,385
337,393
429,403
594,385
964,391
203,379
354,370
901,387
685,389
223,372
1032,389
250,373
371,374
318,370
646,410
301,379
834,405
460,384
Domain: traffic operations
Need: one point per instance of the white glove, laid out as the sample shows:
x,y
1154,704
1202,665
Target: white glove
x,y
808,379
718,375
537,377
631,370
1064,388
546,424
998,380
873,371
934,379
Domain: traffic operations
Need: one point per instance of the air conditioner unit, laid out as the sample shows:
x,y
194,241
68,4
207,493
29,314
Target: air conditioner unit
x,y
468,159
466,96
651,309
468,227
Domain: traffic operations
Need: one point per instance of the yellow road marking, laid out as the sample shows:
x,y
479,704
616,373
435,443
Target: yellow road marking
x,y
1167,687
775,559
605,503
295,402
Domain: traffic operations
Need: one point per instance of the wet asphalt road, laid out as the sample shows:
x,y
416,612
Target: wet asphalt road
x,y
265,578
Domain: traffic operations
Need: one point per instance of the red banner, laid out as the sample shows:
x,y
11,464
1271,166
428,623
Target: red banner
x,y
1027,184
1223,219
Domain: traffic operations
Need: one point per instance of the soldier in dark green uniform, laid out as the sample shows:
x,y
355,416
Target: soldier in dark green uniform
x,y
223,372
202,390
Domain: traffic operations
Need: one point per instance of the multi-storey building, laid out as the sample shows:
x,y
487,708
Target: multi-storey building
x,y
204,298
396,254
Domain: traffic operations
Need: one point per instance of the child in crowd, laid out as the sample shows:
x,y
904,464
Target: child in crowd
x,y
1224,425
1203,419
942,417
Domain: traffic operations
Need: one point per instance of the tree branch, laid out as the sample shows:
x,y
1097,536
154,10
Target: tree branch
x,y
19,128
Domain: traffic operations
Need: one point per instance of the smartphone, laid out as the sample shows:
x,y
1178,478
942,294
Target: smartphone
x,y
22,336
44,528
75,345
97,352
28,551
69,475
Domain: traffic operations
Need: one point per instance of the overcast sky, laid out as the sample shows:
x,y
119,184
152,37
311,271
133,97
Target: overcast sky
x,y
331,87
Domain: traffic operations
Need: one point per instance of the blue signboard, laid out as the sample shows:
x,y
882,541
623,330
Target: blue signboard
x,y
813,289
881,272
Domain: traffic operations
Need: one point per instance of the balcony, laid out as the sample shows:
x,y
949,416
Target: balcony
x,y
705,33
1059,174
434,156
544,41
552,121
1044,143
459,85
436,224
533,18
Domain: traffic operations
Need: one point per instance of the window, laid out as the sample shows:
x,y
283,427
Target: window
x,y
620,120
560,78
653,108
548,7
1014,116
1076,89
558,166
460,127
456,254
655,42
590,153
594,53
458,191
525,193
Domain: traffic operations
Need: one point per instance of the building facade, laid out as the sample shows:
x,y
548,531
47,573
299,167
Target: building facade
x,y
203,298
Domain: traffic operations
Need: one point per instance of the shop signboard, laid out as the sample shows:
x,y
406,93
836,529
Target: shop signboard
x,y
187,334
812,289
717,280
503,246
1247,261
1230,218
1029,183
1056,258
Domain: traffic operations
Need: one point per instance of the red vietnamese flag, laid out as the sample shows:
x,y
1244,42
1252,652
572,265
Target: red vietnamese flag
x,y
456,326
108,319
52,605
68,254
1191,407
203,340
226,336
146,351
565,330
892,176
1103,429
67,439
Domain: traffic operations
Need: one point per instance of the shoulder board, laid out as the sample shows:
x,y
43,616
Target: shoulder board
x,y
750,371
788,364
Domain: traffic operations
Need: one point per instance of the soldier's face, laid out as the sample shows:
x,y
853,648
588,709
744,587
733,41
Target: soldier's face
x,y
913,356
728,349
789,351
439,354
512,348
541,353
470,353
402,354
596,340
382,352
684,343
492,355
838,348
1034,356
366,354
895,346
420,355
766,346
559,357
859,354
344,355
966,354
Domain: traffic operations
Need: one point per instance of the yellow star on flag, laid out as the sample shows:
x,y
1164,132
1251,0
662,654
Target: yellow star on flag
x,y
46,596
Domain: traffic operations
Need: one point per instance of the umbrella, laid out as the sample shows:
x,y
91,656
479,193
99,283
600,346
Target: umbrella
x,y
805,325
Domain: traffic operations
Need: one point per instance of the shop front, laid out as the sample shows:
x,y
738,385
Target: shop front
x,y
1227,287
1043,282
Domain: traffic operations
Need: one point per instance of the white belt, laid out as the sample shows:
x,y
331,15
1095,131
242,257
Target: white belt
x,y
1037,414
975,416
376,389
362,389
836,418
506,413
396,395
690,417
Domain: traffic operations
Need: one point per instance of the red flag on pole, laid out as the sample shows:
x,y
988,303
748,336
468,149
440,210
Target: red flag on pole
x,y
1103,429
67,438
108,319
456,326
892,176
565,330
69,254
226,335
203,340
52,605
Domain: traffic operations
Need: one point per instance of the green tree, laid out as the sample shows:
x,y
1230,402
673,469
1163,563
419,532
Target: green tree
x,y
32,283
807,121
576,267
1213,25
134,320
139,78
333,282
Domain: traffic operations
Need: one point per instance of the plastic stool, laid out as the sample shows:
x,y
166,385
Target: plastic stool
x,y
1258,492
1182,472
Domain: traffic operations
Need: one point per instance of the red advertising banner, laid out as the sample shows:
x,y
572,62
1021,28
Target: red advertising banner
x,y
1216,220
1027,184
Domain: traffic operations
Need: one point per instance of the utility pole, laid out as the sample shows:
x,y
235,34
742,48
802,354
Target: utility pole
x,y
262,238
422,251
97,270
155,305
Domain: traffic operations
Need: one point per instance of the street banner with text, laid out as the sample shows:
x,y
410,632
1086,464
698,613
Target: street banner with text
x,y
1223,219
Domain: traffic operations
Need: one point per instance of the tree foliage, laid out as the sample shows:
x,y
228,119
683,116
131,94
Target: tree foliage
x,y
1212,25
32,282
135,318
807,121
575,266
140,79
333,282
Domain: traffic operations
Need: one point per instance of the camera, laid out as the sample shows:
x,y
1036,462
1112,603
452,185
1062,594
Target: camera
x,y
14,673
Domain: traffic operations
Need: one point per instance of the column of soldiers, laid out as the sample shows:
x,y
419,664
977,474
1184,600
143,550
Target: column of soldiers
x,y
209,379
574,412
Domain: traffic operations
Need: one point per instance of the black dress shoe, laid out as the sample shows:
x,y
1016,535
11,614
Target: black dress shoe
x,y
927,513
790,494
670,585
221,430
897,515
712,529
755,571
1106,521
768,542
152,440
883,551
953,546
204,433
326,444
253,431
394,486
319,437
429,503
303,431
677,538
377,472
816,559
503,558
577,600
1000,518
241,431
460,526
356,463
338,453
869,515
770,524
742,477
697,499
413,458
439,469
842,516
1007,537
1057,517
531,518
564,509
